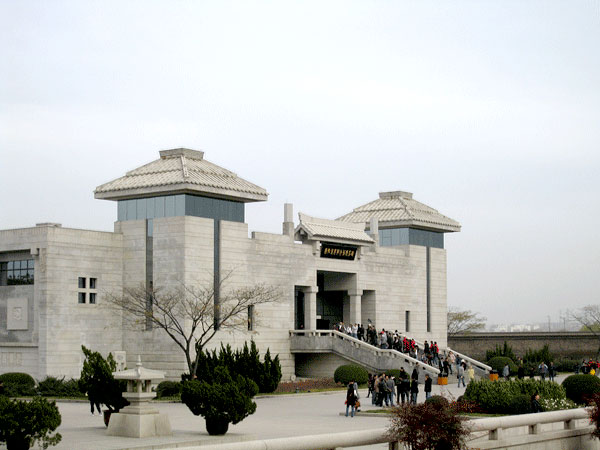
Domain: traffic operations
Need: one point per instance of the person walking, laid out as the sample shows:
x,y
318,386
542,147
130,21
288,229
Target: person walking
x,y
470,374
404,386
451,360
543,370
521,372
351,397
390,390
460,374
427,388
370,385
506,372
551,371
414,391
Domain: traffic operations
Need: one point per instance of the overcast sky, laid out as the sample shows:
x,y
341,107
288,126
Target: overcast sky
x,y
487,111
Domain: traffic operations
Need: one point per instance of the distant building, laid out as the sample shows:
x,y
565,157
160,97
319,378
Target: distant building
x,y
180,219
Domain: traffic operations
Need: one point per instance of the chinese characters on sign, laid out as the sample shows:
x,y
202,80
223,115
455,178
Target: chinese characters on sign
x,y
338,251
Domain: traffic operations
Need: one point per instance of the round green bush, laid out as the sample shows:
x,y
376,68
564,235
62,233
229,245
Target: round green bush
x,y
580,388
168,389
393,373
17,383
350,372
519,404
437,400
498,362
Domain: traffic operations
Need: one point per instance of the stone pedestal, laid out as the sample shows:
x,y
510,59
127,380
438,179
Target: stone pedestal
x,y
139,419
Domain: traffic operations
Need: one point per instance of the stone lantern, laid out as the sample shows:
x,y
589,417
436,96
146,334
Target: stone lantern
x,y
139,419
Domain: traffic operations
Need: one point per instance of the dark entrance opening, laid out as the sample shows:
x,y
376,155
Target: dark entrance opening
x,y
330,305
299,310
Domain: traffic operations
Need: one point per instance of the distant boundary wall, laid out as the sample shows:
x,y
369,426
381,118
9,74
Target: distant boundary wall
x,y
563,344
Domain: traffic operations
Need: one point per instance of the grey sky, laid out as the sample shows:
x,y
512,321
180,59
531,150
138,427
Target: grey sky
x,y
487,111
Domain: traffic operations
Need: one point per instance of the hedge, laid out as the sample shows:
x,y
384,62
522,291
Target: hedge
x,y
168,389
580,388
498,396
17,383
347,373
498,362
58,387
438,400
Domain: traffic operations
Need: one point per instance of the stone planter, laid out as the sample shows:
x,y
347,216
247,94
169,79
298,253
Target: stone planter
x,y
442,381
493,376
216,427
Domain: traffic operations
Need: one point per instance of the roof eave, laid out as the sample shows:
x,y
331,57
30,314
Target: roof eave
x,y
440,228
184,188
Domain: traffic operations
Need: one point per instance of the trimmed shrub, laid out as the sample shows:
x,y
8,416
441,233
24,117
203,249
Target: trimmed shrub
x,y
246,361
350,372
519,404
437,400
58,387
29,421
17,383
392,373
581,388
567,365
498,362
497,396
168,389
224,400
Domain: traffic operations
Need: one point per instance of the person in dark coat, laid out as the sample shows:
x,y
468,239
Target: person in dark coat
x,y
351,397
427,386
521,372
414,390
535,403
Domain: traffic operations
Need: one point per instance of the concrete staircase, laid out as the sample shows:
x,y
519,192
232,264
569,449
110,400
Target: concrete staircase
x,y
369,356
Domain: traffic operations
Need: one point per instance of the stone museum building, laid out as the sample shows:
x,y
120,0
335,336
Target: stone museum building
x,y
180,222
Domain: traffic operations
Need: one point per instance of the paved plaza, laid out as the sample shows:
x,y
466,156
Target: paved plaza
x,y
276,416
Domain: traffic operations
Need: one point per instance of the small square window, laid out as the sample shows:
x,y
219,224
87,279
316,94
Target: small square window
x,y
82,297
92,298
92,283
81,283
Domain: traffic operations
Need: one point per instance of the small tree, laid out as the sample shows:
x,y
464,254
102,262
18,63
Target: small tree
x,y
589,318
97,380
428,426
187,314
221,401
464,321
24,423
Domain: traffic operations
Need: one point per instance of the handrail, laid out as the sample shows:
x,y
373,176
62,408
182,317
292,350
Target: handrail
x,y
344,336
493,425
479,364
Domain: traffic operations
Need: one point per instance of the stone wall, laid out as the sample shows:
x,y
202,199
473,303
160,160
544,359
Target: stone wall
x,y
572,345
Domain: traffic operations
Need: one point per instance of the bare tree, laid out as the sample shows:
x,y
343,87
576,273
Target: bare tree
x,y
464,321
187,314
589,319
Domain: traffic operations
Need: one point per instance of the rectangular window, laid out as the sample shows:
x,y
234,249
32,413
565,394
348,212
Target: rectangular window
x,y
407,321
251,318
81,297
81,283
16,272
92,298
92,283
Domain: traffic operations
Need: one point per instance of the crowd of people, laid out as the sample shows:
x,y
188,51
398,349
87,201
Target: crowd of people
x,y
430,353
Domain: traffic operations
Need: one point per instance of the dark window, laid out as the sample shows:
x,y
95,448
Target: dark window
x,y
92,283
82,297
92,298
16,272
407,321
81,283
250,317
